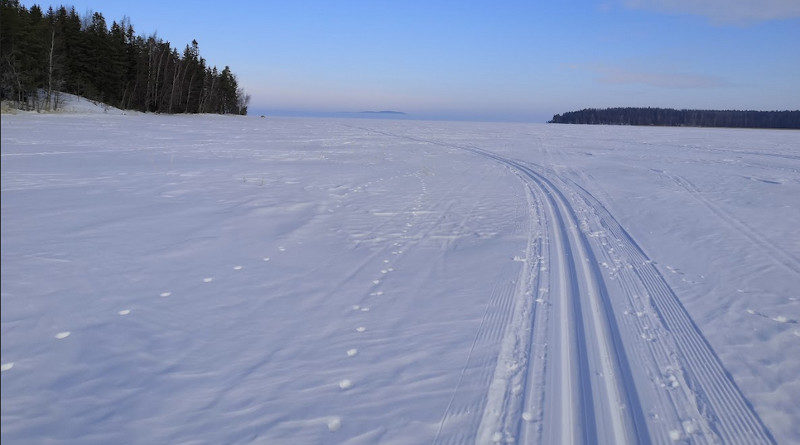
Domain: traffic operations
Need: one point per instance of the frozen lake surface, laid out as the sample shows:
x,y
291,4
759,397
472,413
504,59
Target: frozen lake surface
x,y
218,279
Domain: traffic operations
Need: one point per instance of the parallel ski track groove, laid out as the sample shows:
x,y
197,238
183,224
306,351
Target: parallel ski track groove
x,y
622,403
502,410
719,400
706,373
496,314
577,416
784,257
531,431
466,364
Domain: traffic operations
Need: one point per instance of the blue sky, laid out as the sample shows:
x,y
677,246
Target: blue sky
x,y
488,60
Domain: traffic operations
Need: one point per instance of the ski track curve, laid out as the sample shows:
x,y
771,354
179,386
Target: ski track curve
x,y
777,253
594,395
586,376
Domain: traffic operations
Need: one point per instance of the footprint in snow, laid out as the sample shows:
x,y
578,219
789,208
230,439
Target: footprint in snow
x,y
266,258
352,352
166,294
345,384
674,270
282,249
237,267
208,279
124,312
361,329
7,366
62,335
376,281
777,318
334,423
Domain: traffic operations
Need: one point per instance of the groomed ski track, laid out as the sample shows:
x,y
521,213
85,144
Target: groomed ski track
x,y
598,349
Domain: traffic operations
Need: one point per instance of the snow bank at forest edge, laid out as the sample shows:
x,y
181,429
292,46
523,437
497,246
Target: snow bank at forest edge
x,y
71,104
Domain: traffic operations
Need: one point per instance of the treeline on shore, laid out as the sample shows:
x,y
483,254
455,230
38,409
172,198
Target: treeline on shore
x,y
44,53
681,118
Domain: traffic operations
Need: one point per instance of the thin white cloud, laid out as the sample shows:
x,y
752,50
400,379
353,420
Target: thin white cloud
x,y
724,11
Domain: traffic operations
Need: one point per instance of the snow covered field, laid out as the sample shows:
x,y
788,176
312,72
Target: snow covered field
x,y
217,279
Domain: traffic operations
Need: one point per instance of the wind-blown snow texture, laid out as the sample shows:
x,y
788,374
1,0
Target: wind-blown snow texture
x,y
216,279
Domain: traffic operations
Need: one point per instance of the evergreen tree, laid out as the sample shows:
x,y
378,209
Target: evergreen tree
x,y
44,53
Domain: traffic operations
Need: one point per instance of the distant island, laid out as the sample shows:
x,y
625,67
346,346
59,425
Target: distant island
x,y
681,118
382,112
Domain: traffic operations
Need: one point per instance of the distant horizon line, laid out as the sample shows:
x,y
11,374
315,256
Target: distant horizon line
x,y
532,117
398,115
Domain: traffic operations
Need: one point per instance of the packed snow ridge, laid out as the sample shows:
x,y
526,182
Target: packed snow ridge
x,y
227,279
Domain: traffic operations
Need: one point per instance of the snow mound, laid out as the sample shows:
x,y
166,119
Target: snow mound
x,y
71,103
67,104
